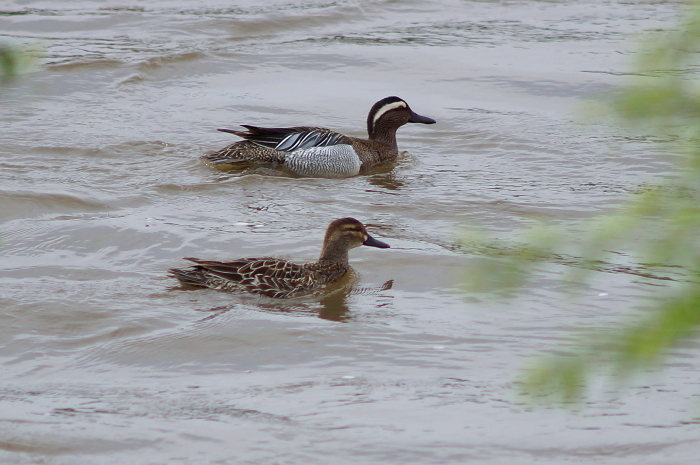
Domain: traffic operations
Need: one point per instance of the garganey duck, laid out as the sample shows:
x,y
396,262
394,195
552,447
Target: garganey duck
x,y
313,151
274,277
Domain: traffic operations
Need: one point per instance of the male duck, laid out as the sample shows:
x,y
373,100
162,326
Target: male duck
x,y
312,151
274,277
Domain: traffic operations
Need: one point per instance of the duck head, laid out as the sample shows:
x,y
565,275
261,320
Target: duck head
x,y
345,234
351,232
391,113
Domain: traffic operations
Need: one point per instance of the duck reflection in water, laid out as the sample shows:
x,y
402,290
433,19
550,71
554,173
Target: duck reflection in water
x,y
332,303
335,305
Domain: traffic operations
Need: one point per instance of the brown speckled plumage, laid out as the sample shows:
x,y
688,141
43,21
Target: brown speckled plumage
x,y
278,278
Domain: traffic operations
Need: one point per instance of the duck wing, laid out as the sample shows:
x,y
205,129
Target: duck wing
x,y
267,276
290,139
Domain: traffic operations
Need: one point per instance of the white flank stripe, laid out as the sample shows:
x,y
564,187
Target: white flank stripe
x,y
387,107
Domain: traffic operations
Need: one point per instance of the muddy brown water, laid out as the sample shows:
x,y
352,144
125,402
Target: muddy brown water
x,y
105,361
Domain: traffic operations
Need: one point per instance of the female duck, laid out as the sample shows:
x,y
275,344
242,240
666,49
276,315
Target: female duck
x,y
312,151
273,277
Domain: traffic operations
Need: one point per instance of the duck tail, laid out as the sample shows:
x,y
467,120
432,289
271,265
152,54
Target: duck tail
x,y
245,153
189,277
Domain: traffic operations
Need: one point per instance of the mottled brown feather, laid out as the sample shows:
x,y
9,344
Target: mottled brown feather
x,y
279,278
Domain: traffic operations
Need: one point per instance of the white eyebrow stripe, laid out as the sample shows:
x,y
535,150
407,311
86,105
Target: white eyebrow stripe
x,y
388,107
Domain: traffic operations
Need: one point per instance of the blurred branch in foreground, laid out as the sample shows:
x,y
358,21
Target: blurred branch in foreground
x,y
15,60
661,227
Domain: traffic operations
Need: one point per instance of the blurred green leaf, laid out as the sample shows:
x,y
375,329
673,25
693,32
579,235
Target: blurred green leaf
x,y
660,226
15,60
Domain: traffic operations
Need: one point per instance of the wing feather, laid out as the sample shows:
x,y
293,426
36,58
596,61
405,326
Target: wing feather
x,y
290,139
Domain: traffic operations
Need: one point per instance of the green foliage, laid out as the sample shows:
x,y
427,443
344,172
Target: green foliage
x,y
661,226
634,347
15,60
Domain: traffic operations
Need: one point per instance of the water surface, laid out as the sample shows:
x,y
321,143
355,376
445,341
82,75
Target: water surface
x,y
106,361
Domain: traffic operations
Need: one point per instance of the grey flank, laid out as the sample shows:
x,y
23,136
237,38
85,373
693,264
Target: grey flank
x,y
337,161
